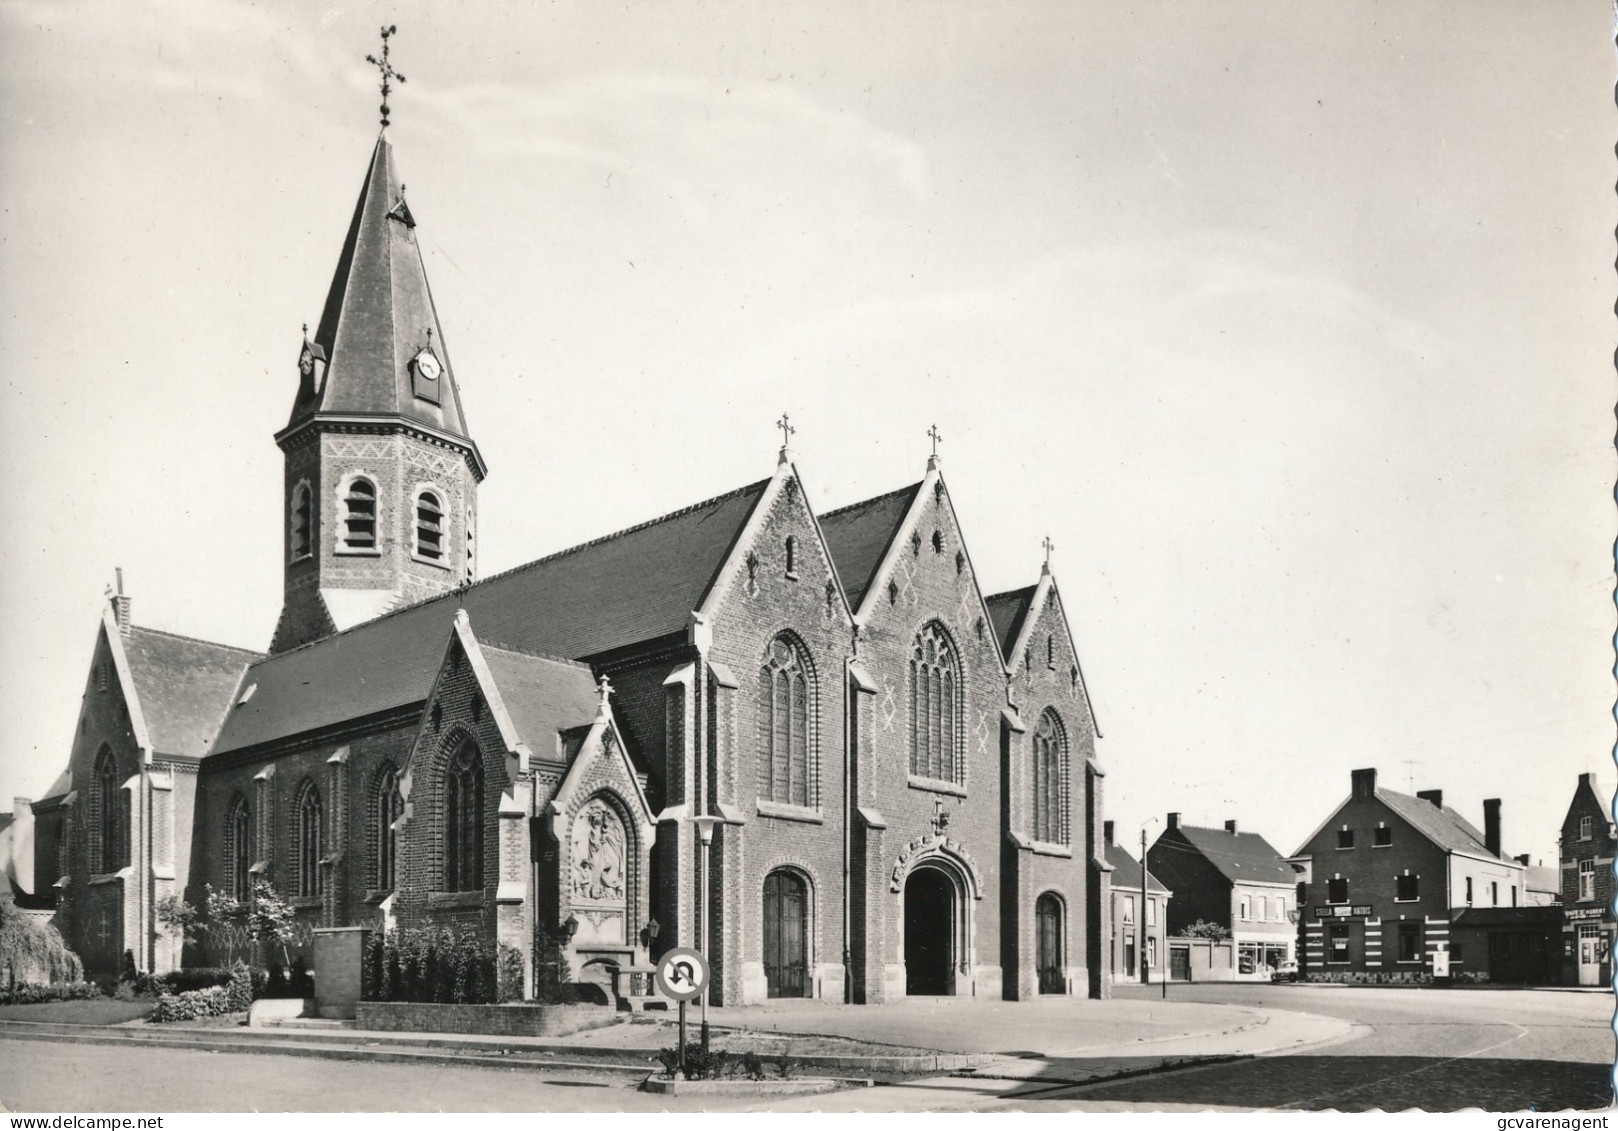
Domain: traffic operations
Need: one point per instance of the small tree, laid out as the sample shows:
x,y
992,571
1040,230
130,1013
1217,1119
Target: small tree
x,y
181,919
1202,929
225,917
271,920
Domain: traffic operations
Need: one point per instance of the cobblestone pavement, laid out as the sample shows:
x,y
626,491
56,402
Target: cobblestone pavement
x,y
1437,1050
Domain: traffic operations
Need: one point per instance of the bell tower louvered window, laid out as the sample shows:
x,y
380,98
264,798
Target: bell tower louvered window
x,y
300,530
359,516
935,707
429,527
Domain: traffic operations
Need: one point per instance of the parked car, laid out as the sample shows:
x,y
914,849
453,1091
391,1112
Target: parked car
x,y
1287,971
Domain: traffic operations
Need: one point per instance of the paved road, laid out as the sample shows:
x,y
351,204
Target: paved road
x,y
1438,1050
1431,1049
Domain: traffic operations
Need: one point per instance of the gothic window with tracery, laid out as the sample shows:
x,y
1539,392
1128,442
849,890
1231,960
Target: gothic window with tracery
x,y
239,848
359,516
310,841
1049,773
935,707
388,806
112,814
784,693
463,820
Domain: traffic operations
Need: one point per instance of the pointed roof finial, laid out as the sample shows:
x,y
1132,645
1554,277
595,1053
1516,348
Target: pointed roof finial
x,y
385,69
934,435
1049,546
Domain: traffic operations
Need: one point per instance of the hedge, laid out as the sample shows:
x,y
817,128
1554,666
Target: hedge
x,y
29,994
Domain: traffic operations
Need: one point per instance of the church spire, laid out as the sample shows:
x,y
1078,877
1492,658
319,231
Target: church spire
x,y
379,332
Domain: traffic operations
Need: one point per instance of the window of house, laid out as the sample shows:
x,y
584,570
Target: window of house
x,y
1513,895
309,842
1151,912
1129,909
388,807
1587,879
1261,909
359,516
1409,942
1586,824
239,849
1381,836
1049,779
1247,908
1494,893
934,706
429,527
1345,838
1469,891
784,711
1337,889
1406,888
463,821
1337,943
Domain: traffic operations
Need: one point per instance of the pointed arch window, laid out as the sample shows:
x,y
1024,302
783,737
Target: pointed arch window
x,y
429,545
388,807
111,817
463,821
935,707
299,523
359,516
785,691
239,848
310,824
1049,780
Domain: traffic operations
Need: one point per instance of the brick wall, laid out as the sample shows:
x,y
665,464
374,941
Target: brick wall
x,y
488,1020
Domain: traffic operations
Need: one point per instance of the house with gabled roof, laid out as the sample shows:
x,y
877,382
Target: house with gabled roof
x,y
1139,948
1587,846
1233,879
1393,877
888,776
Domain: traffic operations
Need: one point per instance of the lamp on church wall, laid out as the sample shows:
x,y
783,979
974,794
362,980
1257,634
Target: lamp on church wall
x,y
570,927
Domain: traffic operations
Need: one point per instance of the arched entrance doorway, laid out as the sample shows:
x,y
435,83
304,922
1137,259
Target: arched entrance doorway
x,y
1048,936
931,918
786,922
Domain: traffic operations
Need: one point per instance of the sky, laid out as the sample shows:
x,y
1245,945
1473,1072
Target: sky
x,y
1290,324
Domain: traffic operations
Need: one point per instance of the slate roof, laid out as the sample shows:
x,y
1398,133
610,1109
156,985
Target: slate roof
x,y
1240,857
184,685
628,588
1008,611
543,696
58,788
379,314
1126,870
859,535
1444,827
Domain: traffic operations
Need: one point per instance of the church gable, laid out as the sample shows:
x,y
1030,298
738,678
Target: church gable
x,y
1043,660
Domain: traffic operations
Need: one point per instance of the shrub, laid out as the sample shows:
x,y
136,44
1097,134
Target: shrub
x,y
126,968
191,1005
25,993
784,1066
239,990
437,965
752,1067
508,976
704,1064
275,984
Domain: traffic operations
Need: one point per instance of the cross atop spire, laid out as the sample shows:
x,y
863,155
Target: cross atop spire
x,y
935,436
787,431
1049,546
385,69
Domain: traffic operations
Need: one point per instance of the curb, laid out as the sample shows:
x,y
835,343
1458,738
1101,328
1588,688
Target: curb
x,y
807,1086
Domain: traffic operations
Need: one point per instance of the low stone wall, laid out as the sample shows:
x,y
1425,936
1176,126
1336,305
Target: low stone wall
x,y
515,1020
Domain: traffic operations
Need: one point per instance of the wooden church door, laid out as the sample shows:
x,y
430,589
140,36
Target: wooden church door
x,y
786,900
1048,924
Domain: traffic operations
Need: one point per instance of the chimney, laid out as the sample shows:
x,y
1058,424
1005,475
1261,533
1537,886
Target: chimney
x,y
1491,825
1364,783
1174,821
1584,779
1230,827
1524,859
1106,832
120,603
1436,796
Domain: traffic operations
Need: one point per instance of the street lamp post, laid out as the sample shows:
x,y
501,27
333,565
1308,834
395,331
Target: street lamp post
x,y
1140,924
705,828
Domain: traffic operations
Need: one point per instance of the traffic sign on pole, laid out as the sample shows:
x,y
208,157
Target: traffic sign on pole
x,y
682,974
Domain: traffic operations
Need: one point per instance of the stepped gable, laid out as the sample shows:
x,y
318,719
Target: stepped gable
x,y
1009,611
543,696
185,686
1241,857
858,537
629,588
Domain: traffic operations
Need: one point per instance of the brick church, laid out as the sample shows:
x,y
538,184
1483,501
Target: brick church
x,y
887,777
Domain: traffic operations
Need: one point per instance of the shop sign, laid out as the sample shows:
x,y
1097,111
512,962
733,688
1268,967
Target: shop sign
x,y
1575,914
1344,911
